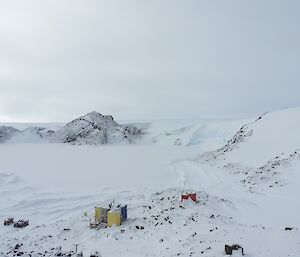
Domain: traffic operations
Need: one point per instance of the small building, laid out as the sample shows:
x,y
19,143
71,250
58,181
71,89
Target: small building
x,y
101,214
114,218
110,216
124,213
186,196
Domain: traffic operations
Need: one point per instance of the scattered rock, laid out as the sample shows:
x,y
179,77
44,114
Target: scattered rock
x,y
21,223
8,221
288,228
230,248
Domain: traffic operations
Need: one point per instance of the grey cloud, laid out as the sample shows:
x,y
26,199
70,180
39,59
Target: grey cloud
x,y
156,59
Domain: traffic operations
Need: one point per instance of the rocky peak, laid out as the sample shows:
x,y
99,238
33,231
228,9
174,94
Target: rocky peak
x,y
95,128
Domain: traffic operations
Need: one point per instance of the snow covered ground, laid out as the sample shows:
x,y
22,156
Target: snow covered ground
x,y
247,182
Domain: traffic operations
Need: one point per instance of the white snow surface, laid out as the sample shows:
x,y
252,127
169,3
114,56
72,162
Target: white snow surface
x,y
246,179
275,133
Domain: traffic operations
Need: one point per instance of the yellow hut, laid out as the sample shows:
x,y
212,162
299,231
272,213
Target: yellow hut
x,y
114,218
100,214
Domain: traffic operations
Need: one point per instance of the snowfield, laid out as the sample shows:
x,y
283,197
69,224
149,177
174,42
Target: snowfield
x,y
246,174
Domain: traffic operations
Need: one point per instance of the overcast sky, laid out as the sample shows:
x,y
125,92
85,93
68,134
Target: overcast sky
x,y
147,59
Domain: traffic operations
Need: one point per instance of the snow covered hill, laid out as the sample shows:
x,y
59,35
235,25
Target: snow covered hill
x,y
95,128
6,133
208,134
30,134
271,135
